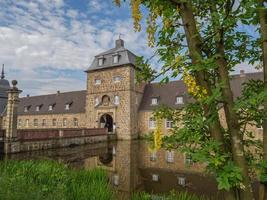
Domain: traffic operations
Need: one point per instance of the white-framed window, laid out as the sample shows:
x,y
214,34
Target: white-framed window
x,y
170,156
155,177
27,108
169,124
97,101
154,101
179,100
153,156
64,122
67,106
27,123
44,122
151,123
188,159
115,179
117,79
181,181
97,81
116,58
116,100
35,122
19,122
37,108
51,107
75,122
259,126
100,61
54,122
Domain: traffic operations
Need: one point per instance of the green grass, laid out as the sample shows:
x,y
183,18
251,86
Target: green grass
x,y
47,180
171,196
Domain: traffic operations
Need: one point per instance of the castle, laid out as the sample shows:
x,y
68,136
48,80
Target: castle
x,y
113,99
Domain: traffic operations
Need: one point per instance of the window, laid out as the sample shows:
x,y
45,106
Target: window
x,y
51,107
170,156
259,126
19,122
35,122
169,123
44,122
100,61
181,181
152,123
27,123
188,159
54,122
116,58
116,100
37,108
97,81
117,79
64,122
155,177
116,179
75,122
179,100
67,106
96,101
154,101
27,108
153,156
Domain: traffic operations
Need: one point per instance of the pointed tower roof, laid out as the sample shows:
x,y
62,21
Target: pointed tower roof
x,y
3,72
125,57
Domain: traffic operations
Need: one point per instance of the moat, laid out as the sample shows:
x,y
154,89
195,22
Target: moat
x,y
132,166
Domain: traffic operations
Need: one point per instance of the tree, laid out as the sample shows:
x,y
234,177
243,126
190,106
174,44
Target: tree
x,y
202,40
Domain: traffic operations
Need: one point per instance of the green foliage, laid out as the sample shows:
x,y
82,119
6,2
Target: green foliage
x,y
263,171
171,196
21,180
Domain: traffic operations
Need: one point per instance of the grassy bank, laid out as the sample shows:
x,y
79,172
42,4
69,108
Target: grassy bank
x,y
170,196
47,180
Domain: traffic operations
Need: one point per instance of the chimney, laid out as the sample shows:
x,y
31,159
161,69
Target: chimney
x,y
58,92
28,95
242,73
119,43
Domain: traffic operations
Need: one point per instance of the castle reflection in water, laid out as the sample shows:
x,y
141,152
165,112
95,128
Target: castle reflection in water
x,y
131,167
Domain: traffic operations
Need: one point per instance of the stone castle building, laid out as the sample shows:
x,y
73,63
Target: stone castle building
x,y
112,99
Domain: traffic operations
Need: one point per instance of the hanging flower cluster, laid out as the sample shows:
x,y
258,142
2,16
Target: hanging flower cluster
x,y
158,134
136,14
117,2
194,89
151,28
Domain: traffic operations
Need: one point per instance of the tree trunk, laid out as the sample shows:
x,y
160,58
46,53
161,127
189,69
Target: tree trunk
x,y
263,32
193,41
194,44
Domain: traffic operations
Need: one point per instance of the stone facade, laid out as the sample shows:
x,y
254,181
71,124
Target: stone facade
x,y
124,113
112,100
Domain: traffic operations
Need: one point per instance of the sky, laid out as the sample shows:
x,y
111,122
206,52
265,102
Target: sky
x,y
48,44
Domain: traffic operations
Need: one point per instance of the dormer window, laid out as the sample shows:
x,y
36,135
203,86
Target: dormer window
x,y
154,101
51,107
100,61
116,58
37,109
67,106
179,100
117,79
27,108
97,81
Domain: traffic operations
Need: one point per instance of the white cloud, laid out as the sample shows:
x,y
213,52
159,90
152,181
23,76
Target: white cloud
x,y
49,33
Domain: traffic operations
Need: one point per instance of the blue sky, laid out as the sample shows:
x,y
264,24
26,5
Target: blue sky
x,y
47,44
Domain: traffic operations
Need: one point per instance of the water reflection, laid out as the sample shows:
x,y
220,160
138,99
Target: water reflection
x,y
132,167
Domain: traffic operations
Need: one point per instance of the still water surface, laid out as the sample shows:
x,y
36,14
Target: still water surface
x,y
131,167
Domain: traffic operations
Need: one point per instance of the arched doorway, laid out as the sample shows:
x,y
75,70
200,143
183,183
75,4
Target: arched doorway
x,y
106,121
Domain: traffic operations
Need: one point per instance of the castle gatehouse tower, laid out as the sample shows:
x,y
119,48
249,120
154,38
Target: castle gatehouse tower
x,y
113,97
